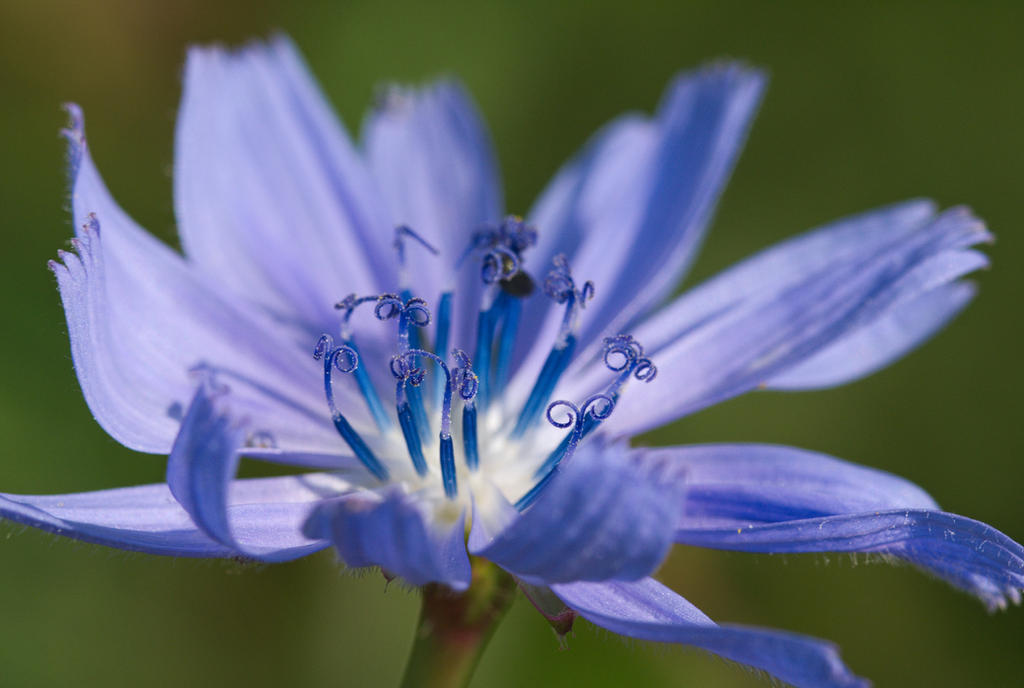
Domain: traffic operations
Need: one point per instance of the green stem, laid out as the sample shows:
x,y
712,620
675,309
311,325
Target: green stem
x,y
454,628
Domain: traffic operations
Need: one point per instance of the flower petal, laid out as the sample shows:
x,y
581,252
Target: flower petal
x,y
631,210
647,610
966,553
748,345
876,345
200,470
598,519
730,485
139,319
758,498
432,157
783,264
272,198
145,518
393,532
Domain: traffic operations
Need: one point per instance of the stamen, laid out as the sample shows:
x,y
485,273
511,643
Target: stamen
x,y
624,355
598,407
466,381
560,287
408,377
502,261
402,366
412,311
373,402
331,356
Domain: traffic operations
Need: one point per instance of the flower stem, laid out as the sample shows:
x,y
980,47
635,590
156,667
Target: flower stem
x,y
454,628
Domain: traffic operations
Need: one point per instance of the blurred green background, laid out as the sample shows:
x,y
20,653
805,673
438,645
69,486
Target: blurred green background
x,y
869,103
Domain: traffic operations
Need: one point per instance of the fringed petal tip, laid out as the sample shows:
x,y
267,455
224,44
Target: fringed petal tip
x,y
974,228
74,134
724,72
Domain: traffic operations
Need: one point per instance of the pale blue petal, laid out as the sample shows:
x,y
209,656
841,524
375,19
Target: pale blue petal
x,y
760,498
391,531
272,199
139,319
782,264
147,518
730,485
599,518
200,470
765,336
648,610
880,343
966,553
631,211
431,156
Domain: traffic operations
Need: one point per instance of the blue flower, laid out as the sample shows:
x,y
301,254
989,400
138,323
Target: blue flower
x,y
523,355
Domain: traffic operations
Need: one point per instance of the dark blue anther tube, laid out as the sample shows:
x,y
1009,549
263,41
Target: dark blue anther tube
x,y
412,438
451,488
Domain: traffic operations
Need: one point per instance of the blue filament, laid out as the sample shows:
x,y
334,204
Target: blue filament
x,y
373,402
451,488
511,309
325,350
554,365
624,355
469,436
412,437
441,336
596,408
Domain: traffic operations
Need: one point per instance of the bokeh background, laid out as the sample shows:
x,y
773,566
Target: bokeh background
x,y
869,103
